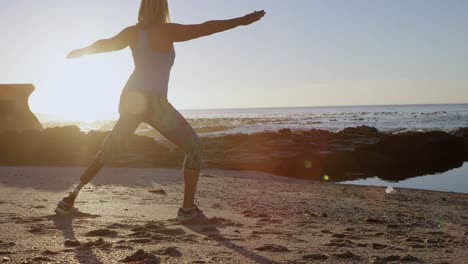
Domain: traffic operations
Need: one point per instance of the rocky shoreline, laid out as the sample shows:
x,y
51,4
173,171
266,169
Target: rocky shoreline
x,y
352,153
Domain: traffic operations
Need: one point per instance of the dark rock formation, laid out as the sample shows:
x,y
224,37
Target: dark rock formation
x,y
14,108
349,154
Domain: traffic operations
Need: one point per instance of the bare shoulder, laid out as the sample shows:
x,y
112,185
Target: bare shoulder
x,y
170,28
130,29
130,34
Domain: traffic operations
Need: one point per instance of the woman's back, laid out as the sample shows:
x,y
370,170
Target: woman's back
x,y
152,66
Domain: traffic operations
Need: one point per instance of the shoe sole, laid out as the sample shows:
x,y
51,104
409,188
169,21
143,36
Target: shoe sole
x,y
183,219
60,209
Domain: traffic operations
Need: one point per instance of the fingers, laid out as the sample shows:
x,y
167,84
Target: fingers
x,y
260,13
74,54
255,16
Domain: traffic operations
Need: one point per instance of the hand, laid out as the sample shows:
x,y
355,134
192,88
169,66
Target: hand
x,y
75,54
252,17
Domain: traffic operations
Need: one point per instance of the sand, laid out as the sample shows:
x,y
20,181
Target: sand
x,y
128,215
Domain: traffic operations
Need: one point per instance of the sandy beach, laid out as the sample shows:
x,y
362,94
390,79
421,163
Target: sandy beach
x,y
128,215
293,132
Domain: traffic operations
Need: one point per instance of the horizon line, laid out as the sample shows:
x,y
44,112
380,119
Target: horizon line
x,y
63,119
318,106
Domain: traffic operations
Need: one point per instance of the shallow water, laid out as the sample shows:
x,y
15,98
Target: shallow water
x,y
455,180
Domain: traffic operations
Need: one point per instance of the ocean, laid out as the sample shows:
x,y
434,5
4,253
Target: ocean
x,y
391,118
394,118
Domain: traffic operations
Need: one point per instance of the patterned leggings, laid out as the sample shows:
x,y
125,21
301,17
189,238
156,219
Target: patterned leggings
x,y
136,107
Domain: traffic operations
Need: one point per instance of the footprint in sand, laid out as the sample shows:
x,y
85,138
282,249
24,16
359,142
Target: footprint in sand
x,y
49,253
141,240
40,259
157,191
371,220
216,206
339,235
272,248
72,243
117,226
4,245
314,257
142,257
216,237
341,243
171,251
347,255
378,246
99,243
103,232
39,229
405,258
123,247
209,229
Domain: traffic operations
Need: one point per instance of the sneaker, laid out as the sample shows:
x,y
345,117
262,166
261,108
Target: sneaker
x,y
65,206
191,214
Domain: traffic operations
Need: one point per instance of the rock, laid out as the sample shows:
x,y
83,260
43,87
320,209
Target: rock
x,y
462,132
285,132
15,114
361,130
353,153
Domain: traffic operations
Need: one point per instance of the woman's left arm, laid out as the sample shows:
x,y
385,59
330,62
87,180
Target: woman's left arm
x,y
118,42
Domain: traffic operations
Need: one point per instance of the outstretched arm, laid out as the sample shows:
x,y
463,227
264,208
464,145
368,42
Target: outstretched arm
x,y
118,42
179,33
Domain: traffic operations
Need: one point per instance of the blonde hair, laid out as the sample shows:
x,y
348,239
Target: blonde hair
x,y
154,12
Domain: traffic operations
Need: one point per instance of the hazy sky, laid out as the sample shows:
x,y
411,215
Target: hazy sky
x,y
304,53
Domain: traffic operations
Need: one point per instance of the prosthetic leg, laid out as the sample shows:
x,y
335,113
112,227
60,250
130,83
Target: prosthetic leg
x,y
65,206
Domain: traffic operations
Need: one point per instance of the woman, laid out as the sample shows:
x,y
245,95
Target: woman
x,y
144,98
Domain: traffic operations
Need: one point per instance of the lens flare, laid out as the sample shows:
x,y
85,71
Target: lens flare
x,y
308,164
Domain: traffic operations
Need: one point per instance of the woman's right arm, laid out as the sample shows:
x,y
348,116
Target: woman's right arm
x,y
179,33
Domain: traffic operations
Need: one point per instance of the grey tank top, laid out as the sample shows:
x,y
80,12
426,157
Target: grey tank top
x,y
152,68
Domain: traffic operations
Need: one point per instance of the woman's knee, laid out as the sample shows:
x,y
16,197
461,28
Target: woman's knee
x,y
194,155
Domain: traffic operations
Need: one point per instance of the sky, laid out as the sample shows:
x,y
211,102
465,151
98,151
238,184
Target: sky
x,y
303,53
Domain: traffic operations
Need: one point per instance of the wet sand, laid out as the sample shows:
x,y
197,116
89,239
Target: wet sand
x,y
128,215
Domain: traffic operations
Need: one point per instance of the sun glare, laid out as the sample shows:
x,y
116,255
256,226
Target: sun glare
x,y
85,89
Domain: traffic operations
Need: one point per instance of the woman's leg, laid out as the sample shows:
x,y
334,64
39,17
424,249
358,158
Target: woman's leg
x,y
173,126
113,144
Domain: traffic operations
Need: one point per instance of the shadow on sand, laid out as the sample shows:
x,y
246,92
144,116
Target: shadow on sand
x,y
209,229
65,225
